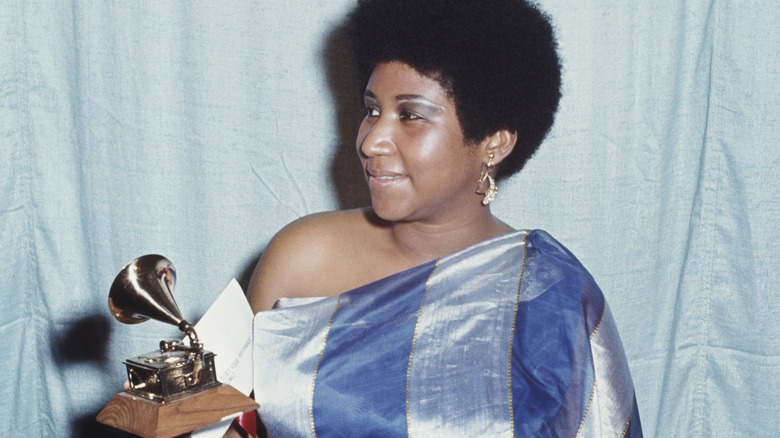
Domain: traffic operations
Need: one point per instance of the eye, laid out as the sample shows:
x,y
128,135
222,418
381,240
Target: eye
x,y
371,112
408,115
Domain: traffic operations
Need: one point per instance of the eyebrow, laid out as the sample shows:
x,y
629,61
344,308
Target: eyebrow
x,y
416,98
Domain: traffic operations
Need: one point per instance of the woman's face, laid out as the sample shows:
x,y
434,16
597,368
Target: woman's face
x,y
413,153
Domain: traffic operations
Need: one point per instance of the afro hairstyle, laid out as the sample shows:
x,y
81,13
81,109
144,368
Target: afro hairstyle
x,y
497,59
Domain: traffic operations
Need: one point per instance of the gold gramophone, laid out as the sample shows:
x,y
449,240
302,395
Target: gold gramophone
x,y
173,390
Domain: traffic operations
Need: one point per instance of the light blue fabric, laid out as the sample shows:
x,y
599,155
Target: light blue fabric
x,y
197,129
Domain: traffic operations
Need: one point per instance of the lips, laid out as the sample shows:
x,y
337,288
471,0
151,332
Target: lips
x,y
379,179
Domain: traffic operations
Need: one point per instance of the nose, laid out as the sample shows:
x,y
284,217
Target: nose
x,y
375,137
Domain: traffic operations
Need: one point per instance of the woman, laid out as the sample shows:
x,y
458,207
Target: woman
x,y
437,317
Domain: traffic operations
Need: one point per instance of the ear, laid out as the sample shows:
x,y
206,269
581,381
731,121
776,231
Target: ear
x,y
501,143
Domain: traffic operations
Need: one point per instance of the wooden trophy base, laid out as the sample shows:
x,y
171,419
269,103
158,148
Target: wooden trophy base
x,y
151,419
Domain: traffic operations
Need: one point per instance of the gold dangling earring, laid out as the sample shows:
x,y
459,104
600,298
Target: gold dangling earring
x,y
492,190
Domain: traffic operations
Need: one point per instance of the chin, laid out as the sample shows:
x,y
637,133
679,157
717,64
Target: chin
x,y
386,215
390,212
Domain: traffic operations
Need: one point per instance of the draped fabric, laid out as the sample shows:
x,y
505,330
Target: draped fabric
x,y
510,337
197,129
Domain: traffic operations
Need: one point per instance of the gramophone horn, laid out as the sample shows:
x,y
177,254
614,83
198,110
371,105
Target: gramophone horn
x,y
144,289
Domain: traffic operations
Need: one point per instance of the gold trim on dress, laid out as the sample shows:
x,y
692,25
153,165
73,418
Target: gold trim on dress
x,y
601,318
630,415
587,408
593,390
316,368
411,353
512,336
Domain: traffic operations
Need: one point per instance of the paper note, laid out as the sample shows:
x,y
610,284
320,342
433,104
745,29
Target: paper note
x,y
226,330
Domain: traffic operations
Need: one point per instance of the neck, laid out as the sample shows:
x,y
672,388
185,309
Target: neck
x,y
420,242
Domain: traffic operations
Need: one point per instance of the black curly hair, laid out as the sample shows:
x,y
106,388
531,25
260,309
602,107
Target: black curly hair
x,y
497,59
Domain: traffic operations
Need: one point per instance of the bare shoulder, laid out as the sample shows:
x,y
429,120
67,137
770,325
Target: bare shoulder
x,y
304,258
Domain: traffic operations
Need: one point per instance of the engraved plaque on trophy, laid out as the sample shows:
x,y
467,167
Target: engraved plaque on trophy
x,y
173,390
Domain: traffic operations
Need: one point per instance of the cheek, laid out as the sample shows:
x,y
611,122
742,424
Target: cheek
x,y
441,149
427,145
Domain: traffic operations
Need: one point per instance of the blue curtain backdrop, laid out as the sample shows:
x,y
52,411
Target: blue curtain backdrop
x,y
196,129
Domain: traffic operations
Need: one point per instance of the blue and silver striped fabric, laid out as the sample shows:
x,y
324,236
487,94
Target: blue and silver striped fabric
x,y
509,337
